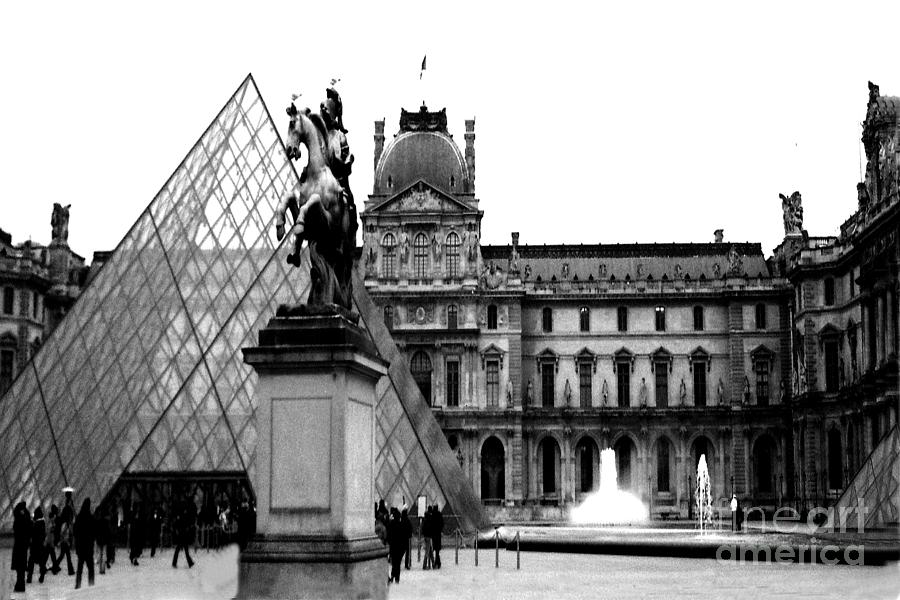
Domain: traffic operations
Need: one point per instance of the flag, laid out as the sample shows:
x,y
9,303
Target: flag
x,y
423,66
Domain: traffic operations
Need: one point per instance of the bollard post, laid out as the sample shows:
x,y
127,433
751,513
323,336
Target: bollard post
x,y
456,536
418,548
517,551
496,548
476,547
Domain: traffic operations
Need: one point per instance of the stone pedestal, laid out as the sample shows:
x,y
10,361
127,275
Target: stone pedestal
x,y
314,465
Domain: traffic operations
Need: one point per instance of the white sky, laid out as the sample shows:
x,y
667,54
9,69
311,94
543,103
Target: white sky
x,y
618,122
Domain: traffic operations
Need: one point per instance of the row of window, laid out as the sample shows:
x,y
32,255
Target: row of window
x,y
421,247
29,302
828,285
584,318
452,316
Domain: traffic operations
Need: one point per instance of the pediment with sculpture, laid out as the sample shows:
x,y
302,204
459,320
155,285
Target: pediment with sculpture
x,y
421,196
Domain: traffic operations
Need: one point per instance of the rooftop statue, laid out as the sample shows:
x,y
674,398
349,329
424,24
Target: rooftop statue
x,y
322,205
59,222
792,212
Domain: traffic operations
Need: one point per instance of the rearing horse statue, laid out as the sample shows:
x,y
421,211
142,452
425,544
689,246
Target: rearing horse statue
x,y
323,214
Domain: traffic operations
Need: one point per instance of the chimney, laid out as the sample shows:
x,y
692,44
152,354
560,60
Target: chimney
x,y
379,141
470,152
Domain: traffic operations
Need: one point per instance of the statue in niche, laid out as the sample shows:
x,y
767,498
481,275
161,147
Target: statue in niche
x,y
602,271
471,242
529,393
640,270
746,397
720,393
717,270
509,392
682,393
322,205
527,272
565,271
404,247
59,223
792,213
567,392
735,263
642,395
604,393
782,392
435,247
719,235
679,272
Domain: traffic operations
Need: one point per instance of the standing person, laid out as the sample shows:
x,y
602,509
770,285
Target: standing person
x,y
398,543
85,535
734,508
101,527
136,534
51,540
36,549
113,524
64,535
437,530
425,533
154,529
406,527
21,539
184,530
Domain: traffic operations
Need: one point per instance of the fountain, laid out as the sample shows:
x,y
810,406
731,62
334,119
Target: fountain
x,y
704,498
609,504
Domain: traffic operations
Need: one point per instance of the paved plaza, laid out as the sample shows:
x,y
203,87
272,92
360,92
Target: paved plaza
x,y
543,575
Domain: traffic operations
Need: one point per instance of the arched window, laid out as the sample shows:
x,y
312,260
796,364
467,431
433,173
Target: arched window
x,y
549,454
663,471
492,316
452,255
624,449
584,318
389,317
698,318
835,460
547,319
389,256
452,317
420,256
420,366
493,470
763,461
586,467
8,345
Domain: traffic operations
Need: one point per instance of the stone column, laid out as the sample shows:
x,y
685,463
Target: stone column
x,y
314,466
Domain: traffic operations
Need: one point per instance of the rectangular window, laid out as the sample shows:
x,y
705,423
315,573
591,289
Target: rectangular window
x,y
389,317
829,291
662,466
623,380
660,318
547,319
584,318
7,360
453,381
547,384
584,383
623,318
24,303
832,369
452,317
762,383
699,384
493,383
760,316
852,284
8,300
34,306
492,316
662,384
698,318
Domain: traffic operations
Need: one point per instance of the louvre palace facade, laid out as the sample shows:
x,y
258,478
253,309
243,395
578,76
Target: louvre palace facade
x,y
534,358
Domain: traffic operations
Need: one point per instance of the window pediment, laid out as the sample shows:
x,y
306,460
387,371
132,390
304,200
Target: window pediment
x,y
699,354
761,354
660,355
548,356
623,355
492,351
586,356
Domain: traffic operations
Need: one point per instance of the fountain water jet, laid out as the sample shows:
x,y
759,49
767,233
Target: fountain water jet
x,y
704,498
609,504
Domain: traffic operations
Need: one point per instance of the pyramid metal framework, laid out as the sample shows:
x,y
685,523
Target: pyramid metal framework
x,y
145,373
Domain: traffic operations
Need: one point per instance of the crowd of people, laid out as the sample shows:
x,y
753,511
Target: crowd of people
x,y
395,529
46,543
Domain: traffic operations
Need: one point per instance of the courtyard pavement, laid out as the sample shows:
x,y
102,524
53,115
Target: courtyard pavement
x,y
543,575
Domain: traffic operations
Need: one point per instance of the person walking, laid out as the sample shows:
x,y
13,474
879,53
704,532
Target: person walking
x,y
101,527
85,535
136,534
184,534
51,540
21,540
398,543
64,535
406,526
113,524
437,530
36,549
425,534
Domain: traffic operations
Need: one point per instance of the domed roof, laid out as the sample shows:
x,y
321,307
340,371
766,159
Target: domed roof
x,y
423,149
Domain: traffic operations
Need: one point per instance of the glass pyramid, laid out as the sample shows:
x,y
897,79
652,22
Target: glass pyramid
x,y
145,373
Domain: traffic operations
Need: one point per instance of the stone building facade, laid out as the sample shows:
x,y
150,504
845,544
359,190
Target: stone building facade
x,y
534,357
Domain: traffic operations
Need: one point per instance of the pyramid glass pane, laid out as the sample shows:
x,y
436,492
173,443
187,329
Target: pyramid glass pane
x,y
145,374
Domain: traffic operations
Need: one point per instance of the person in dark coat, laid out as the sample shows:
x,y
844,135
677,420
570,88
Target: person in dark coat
x,y
21,540
101,527
136,534
51,540
398,543
113,523
184,533
407,532
437,529
85,535
64,535
154,528
36,548
426,535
